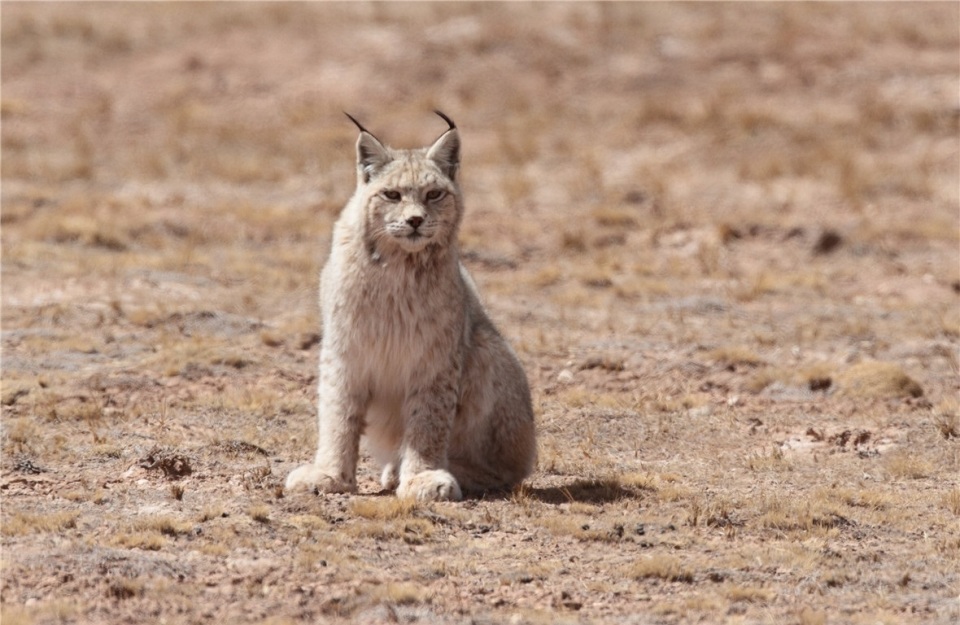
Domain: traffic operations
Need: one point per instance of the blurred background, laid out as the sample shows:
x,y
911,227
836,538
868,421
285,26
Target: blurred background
x,y
615,155
176,165
683,110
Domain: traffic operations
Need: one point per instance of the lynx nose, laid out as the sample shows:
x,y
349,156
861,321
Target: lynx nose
x,y
415,221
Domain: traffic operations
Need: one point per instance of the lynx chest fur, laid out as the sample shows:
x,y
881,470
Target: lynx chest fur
x,y
409,357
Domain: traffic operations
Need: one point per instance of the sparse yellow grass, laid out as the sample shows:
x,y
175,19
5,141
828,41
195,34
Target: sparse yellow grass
x,y
717,512
165,524
384,508
579,526
735,356
147,540
412,531
21,433
259,513
670,492
951,501
309,522
211,511
660,566
21,523
806,513
769,460
749,594
905,464
869,379
401,593
215,549
861,497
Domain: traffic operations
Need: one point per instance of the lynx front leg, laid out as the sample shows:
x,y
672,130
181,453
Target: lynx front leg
x,y
428,416
334,469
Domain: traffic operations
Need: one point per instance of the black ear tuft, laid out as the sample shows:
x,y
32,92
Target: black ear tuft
x,y
445,118
356,123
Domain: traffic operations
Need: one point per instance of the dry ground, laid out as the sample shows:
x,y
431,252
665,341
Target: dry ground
x,y
723,239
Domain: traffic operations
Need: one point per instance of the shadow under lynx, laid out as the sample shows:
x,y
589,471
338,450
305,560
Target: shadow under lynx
x,y
409,357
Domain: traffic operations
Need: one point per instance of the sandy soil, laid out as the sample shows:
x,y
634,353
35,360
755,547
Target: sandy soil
x,y
724,240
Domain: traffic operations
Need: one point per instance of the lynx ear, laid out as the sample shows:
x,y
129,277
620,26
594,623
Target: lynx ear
x,y
445,151
372,155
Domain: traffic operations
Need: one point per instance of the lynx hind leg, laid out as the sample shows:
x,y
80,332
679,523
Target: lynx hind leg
x,y
498,469
313,476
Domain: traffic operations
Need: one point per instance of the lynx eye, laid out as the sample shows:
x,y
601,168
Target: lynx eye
x,y
393,196
435,194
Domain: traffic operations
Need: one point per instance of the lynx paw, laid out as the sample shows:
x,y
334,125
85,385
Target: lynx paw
x,y
310,476
390,477
437,485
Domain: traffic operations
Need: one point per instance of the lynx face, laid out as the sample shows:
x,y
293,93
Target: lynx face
x,y
412,200
409,206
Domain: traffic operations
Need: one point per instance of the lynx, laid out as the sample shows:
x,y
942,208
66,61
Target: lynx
x,y
409,358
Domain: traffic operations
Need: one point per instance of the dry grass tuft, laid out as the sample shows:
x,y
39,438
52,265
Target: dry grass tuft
x,y
664,567
21,523
714,513
800,514
905,464
581,527
749,594
310,522
384,508
411,531
148,541
164,524
772,460
874,379
735,357
22,434
948,424
951,501
402,593
125,588
259,513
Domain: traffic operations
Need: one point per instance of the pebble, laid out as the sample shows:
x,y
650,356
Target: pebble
x,y
565,376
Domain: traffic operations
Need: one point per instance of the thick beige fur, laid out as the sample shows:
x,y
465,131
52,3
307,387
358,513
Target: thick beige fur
x,y
409,358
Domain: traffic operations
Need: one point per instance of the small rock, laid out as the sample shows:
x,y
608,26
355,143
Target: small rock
x,y
820,383
701,411
827,242
565,376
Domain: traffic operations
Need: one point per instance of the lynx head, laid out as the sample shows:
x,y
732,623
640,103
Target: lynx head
x,y
411,199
